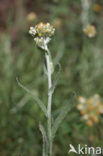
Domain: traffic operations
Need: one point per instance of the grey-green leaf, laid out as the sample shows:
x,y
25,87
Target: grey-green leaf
x,y
61,116
45,140
40,103
56,79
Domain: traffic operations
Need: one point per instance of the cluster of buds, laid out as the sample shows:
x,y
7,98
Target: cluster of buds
x,y
90,109
90,30
42,34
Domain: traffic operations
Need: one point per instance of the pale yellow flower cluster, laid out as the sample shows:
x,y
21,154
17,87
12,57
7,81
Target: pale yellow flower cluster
x,y
90,30
90,109
32,16
42,30
42,34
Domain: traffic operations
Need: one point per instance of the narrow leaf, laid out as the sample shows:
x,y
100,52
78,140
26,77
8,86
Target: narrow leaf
x,y
51,64
45,140
56,79
61,116
40,103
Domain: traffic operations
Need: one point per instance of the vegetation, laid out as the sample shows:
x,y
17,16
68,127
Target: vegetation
x,y
81,59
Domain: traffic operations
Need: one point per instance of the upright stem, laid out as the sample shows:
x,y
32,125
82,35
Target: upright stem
x,y
49,124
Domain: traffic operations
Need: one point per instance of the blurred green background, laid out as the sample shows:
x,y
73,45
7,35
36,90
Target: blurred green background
x,y
81,59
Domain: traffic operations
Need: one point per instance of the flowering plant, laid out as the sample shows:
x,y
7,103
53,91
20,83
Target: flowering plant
x,y
42,34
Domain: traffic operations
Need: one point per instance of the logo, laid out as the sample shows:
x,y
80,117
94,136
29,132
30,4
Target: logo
x,y
85,149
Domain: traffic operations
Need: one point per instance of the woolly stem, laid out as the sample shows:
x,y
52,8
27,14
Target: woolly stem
x,y
49,123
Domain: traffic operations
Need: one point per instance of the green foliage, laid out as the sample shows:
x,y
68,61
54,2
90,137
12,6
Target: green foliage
x,y
81,62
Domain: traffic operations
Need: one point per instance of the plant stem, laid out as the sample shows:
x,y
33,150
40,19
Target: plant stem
x,y
49,124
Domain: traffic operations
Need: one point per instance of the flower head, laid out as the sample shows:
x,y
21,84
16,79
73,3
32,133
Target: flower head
x,y
97,7
90,30
42,34
31,16
90,109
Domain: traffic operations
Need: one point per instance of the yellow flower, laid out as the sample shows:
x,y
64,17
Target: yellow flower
x,y
97,111
42,34
96,120
83,112
44,29
89,123
81,99
80,107
39,34
31,16
90,30
90,107
89,101
97,7
91,116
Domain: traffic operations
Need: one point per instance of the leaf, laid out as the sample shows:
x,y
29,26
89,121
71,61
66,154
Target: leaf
x,y
40,103
61,116
55,80
51,64
45,140
20,104
45,70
